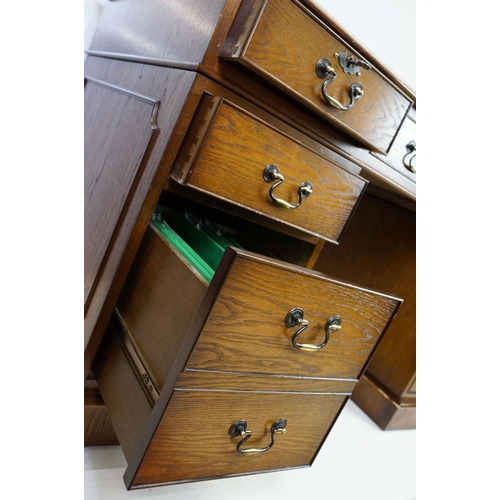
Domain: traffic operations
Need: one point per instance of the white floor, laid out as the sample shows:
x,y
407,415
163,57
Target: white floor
x,y
358,461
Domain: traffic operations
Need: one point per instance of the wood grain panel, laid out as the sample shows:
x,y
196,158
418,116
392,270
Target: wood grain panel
x,y
170,89
246,332
282,42
378,250
264,383
225,155
98,430
387,413
174,32
187,445
112,160
155,309
122,393
344,149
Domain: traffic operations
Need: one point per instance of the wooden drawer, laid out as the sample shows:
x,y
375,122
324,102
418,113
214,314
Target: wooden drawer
x,y
237,324
227,150
282,42
403,153
175,441
189,446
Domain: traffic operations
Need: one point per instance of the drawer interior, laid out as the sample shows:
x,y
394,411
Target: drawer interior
x,y
199,240
240,232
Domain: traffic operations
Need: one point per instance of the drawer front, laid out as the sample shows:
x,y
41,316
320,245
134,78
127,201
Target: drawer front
x,y
239,324
403,154
226,152
283,43
189,445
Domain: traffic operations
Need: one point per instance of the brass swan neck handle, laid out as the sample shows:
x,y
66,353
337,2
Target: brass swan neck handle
x,y
239,429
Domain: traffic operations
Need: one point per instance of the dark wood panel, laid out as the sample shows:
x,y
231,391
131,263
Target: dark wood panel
x,y
122,393
169,88
379,250
387,413
97,424
158,303
119,127
176,32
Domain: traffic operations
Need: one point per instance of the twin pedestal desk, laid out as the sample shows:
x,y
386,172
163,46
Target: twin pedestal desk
x,y
249,236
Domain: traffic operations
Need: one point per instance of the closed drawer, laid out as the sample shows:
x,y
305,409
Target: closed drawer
x,y
238,322
403,153
230,153
282,42
188,445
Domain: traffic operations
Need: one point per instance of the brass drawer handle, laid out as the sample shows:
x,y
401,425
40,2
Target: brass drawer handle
x,y
324,69
272,173
295,317
411,151
239,429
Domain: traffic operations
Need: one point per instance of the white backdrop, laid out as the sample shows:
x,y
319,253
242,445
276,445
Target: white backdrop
x,y
386,27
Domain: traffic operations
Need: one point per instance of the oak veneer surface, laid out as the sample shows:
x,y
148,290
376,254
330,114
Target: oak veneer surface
x,y
127,121
283,42
246,332
190,379
138,105
229,158
378,250
187,445
349,150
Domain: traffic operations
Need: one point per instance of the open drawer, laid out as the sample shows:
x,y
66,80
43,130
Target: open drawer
x,y
247,319
257,339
